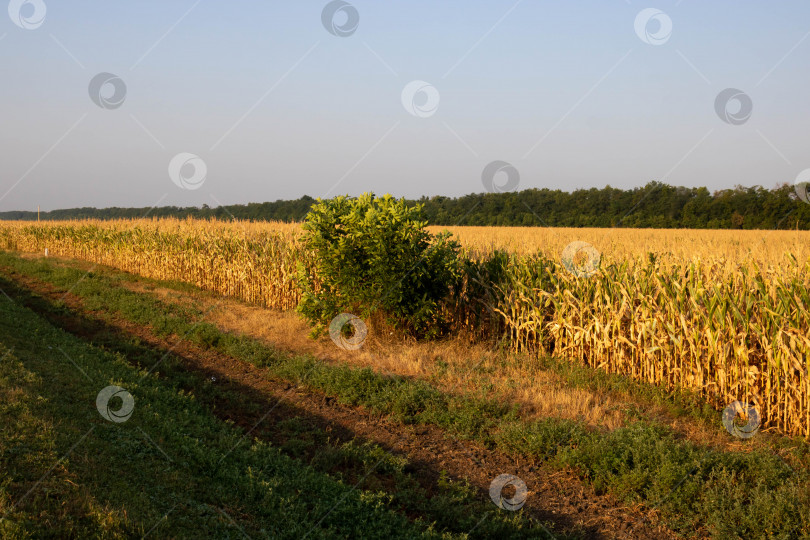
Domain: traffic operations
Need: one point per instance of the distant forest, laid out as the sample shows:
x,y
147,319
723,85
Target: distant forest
x,y
656,205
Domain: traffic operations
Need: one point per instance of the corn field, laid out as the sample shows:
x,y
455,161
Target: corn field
x,y
255,264
730,335
722,313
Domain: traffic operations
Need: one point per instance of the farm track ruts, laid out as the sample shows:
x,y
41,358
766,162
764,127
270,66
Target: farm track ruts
x,y
555,496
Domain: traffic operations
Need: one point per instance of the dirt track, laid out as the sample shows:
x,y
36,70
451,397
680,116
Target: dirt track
x,y
556,496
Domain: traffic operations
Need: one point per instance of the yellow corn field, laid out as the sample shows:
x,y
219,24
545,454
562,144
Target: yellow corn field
x,y
254,263
723,313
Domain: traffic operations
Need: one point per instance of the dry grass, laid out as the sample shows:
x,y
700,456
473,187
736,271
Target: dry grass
x,y
452,365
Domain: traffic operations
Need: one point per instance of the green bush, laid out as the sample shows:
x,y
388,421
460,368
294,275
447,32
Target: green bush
x,y
373,255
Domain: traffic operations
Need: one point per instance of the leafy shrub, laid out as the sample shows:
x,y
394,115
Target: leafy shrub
x,y
374,255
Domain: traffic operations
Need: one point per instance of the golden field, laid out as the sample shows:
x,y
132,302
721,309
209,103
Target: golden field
x,y
733,246
723,313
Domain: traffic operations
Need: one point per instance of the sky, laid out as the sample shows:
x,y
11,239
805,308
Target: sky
x,y
194,102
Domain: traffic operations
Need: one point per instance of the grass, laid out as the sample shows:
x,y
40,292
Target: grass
x,y
679,403
162,469
211,480
727,494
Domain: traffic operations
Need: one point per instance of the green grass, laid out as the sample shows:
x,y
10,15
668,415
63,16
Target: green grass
x,y
729,494
117,483
324,479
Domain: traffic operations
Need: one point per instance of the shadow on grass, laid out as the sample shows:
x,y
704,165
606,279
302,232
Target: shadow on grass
x,y
313,439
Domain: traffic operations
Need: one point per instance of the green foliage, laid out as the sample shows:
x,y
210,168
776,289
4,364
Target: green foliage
x,y
655,205
385,488
173,470
373,254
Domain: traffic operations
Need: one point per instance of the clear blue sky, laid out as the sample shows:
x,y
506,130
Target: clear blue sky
x,y
277,107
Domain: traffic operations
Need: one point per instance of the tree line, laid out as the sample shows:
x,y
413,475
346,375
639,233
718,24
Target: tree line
x,y
656,205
